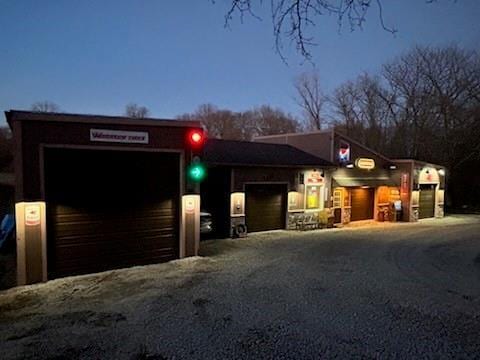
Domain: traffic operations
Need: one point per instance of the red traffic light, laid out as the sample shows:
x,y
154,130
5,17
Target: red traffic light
x,y
196,137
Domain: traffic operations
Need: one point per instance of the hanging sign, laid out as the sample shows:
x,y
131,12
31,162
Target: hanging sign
x,y
404,184
344,152
313,177
428,175
129,137
365,163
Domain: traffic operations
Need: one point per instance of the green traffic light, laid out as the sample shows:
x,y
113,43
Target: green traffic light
x,y
197,172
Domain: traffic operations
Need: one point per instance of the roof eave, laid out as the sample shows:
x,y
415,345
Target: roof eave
x,y
215,163
21,115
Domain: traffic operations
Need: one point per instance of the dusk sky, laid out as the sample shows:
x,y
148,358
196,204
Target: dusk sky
x,y
171,56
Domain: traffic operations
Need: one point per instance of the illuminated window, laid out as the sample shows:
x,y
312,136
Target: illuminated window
x,y
313,196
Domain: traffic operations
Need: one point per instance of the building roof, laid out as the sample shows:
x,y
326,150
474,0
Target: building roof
x,y
13,115
247,153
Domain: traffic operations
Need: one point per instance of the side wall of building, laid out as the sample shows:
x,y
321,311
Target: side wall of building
x,y
316,143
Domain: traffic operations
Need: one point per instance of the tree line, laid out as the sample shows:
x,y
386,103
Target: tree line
x,y
243,125
424,104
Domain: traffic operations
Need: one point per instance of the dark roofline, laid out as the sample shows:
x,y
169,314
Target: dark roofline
x,y
299,166
312,160
21,115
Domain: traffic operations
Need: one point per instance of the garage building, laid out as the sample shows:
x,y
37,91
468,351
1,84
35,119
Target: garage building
x,y
367,185
260,185
96,193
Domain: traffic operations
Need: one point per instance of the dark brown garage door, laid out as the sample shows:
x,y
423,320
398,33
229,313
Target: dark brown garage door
x,y
110,209
362,204
265,206
426,201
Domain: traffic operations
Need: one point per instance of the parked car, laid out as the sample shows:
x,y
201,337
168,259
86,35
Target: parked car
x,y
7,229
205,222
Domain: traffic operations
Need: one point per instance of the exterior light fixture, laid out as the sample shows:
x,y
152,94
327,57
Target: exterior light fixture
x,y
441,172
350,166
392,167
196,138
196,172
365,163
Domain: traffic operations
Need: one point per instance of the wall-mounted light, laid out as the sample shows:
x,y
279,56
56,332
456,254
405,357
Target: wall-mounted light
x,y
365,163
392,167
237,204
441,172
350,166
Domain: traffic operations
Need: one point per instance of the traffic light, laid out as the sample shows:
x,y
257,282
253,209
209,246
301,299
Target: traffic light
x,y
196,138
196,170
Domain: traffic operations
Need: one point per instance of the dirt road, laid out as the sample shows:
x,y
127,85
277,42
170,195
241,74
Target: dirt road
x,y
381,291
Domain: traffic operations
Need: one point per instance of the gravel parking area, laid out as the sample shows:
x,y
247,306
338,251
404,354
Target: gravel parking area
x,y
384,290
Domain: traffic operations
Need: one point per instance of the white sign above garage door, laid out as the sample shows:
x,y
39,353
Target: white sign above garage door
x,y
130,137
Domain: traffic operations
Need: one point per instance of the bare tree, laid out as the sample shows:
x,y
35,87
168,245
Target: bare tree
x,y
362,111
436,88
45,106
136,111
310,98
296,20
425,105
266,120
229,125
219,123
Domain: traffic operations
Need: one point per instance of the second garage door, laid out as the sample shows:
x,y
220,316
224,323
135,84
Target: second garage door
x,y
362,203
426,201
265,206
110,209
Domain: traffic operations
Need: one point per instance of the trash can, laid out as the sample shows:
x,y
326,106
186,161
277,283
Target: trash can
x,y
396,210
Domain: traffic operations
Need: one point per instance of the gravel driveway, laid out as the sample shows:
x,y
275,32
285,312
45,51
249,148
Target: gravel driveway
x,y
379,291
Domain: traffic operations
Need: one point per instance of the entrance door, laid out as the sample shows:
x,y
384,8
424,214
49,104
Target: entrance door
x,y
265,206
426,201
362,202
110,209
